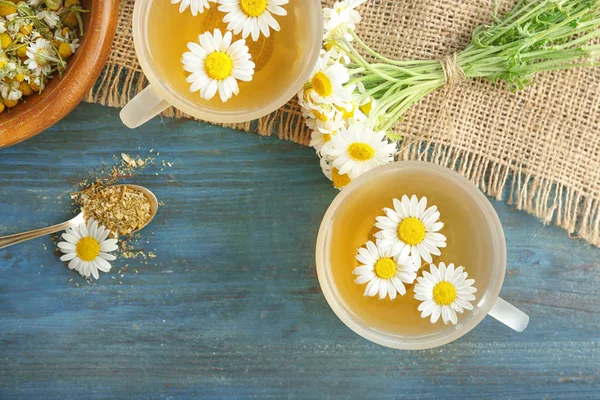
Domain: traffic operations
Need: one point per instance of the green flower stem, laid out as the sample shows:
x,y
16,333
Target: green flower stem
x,y
535,36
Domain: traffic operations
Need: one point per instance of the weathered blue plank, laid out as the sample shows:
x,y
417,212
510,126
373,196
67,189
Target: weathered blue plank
x,y
231,307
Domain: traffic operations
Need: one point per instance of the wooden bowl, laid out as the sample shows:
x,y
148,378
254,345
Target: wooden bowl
x,y
40,111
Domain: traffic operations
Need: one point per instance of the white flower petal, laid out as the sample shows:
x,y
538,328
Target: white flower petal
x,y
364,278
68,256
382,289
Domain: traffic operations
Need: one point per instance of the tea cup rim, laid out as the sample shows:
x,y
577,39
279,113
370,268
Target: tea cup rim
x,y
392,340
140,15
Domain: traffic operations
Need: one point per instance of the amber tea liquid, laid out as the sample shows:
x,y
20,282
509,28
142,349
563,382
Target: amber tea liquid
x,y
468,244
277,58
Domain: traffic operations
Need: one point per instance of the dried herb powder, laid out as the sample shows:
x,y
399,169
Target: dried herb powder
x,y
120,209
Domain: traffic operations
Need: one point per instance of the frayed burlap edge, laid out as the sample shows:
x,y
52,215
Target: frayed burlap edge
x,y
551,202
118,84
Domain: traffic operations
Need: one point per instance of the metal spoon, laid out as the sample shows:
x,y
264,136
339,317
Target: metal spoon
x,y
6,241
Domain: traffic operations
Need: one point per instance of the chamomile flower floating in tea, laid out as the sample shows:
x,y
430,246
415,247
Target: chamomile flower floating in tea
x,y
333,174
357,149
414,227
196,6
384,270
216,64
87,248
252,17
444,291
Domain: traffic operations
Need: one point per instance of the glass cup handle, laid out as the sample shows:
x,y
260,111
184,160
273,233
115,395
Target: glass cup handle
x,y
509,315
143,107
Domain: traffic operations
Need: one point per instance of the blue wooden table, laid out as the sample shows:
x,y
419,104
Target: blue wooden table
x,y
231,307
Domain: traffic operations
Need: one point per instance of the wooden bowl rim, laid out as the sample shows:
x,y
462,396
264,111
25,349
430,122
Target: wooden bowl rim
x,y
79,78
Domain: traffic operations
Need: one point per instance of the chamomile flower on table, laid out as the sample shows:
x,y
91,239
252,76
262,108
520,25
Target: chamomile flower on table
x,y
327,83
87,248
413,227
195,6
333,174
252,17
444,291
384,270
216,65
357,149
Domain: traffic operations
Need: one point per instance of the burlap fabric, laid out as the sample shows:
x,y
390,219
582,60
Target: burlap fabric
x,y
540,145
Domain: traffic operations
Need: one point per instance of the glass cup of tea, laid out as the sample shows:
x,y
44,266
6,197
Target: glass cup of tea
x,y
475,240
284,62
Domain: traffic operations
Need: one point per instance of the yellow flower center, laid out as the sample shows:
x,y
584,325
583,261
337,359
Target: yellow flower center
x,y
361,151
345,113
322,84
411,231
320,116
339,181
218,65
253,8
367,107
326,137
41,56
444,293
385,268
87,248
307,91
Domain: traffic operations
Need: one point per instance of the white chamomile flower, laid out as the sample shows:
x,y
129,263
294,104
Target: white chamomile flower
x,y
324,123
321,142
87,248
341,17
336,54
385,271
74,45
252,17
196,6
322,133
444,292
414,227
357,149
37,81
10,91
327,82
351,111
216,64
365,103
2,26
50,17
332,173
40,54
34,2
